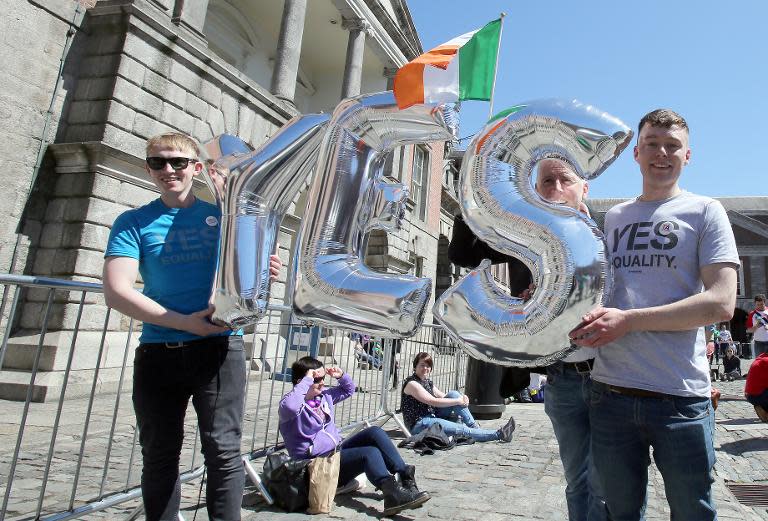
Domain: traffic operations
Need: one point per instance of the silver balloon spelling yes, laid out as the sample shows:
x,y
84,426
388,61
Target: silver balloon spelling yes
x,y
564,250
253,190
347,200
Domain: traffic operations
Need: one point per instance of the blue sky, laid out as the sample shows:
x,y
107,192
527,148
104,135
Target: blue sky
x,y
704,59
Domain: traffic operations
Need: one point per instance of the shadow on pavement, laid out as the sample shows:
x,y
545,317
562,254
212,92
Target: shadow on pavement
x,y
737,448
739,421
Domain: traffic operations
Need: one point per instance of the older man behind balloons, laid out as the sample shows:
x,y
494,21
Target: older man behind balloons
x,y
566,400
675,261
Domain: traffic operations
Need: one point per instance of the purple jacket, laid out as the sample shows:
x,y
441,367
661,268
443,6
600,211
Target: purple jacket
x,y
304,432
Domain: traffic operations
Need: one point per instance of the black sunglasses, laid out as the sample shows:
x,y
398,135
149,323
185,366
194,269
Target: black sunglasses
x,y
319,379
177,163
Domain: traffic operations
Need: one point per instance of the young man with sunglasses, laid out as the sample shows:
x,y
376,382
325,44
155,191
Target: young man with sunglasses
x,y
173,243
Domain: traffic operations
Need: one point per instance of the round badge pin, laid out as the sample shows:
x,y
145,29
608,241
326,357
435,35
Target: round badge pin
x,y
211,220
665,228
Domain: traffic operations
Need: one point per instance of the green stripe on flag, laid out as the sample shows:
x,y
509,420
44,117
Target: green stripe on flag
x,y
506,112
477,63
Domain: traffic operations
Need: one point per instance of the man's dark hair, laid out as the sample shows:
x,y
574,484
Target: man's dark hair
x,y
663,118
760,297
301,366
426,357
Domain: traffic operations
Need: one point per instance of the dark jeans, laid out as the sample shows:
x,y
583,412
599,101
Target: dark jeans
x,y
212,372
760,348
759,399
370,451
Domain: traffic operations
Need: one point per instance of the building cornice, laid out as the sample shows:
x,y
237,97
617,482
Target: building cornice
x,y
390,52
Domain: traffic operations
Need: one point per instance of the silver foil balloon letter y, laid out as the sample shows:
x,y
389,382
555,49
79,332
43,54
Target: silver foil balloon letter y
x,y
563,249
348,199
253,190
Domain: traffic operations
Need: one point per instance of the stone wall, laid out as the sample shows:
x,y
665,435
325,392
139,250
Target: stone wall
x,y
37,37
131,74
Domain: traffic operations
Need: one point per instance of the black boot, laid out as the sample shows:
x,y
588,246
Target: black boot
x,y
408,480
397,498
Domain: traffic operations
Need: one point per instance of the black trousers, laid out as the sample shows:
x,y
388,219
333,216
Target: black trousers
x,y
212,372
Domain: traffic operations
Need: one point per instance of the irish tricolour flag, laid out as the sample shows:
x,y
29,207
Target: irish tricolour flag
x,y
461,69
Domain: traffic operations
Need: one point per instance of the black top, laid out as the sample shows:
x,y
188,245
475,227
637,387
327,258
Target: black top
x,y
413,409
731,364
467,250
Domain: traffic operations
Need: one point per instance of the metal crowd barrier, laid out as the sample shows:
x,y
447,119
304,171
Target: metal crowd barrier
x,y
74,451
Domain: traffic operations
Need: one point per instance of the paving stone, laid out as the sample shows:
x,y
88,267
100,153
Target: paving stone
x,y
522,480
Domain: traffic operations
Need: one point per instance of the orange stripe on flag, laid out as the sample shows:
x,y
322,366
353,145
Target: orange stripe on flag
x,y
409,85
438,57
487,135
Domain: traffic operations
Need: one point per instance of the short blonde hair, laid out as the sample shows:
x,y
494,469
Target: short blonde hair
x,y
175,141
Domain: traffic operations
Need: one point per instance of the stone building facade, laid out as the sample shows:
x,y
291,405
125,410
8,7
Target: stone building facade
x,y
87,82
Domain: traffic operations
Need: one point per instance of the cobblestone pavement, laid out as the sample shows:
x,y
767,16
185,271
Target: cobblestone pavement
x,y
521,480
524,479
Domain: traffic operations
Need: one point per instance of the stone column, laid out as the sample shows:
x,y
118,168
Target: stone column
x,y
353,68
389,73
289,50
191,14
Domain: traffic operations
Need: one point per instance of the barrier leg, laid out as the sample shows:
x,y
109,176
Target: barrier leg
x,y
256,480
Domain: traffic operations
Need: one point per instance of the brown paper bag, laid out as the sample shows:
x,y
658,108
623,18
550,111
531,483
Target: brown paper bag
x,y
323,478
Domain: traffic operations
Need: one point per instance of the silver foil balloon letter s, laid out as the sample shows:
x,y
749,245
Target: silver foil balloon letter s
x,y
347,200
564,250
253,190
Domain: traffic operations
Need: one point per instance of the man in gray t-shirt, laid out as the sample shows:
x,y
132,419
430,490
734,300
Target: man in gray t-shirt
x,y
675,260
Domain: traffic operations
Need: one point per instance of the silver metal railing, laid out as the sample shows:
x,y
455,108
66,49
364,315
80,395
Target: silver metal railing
x,y
69,443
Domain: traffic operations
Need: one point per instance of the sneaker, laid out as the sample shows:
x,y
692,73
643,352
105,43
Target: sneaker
x,y
351,486
505,433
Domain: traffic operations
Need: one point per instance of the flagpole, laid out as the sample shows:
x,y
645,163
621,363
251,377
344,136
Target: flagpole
x,y
496,66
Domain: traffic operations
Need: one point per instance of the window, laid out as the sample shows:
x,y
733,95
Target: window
x,y
418,264
393,164
740,286
420,182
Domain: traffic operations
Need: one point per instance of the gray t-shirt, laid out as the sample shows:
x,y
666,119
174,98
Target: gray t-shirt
x,y
657,250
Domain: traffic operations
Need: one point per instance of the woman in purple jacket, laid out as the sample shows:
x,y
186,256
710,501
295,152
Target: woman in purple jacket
x,y
308,428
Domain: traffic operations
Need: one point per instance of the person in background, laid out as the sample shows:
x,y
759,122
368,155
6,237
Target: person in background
x,y
370,350
757,324
567,395
724,339
731,365
424,404
307,423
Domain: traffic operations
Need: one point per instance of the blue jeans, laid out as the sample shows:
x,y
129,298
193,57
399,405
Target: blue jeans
x,y
455,429
376,363
448,418
681,431
370,451
566,402
456,412
212,373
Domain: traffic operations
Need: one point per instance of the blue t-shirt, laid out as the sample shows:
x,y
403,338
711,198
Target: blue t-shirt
x,y
177,250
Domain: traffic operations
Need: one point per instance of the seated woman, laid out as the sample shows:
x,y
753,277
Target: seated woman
x,y
370,350
308,428
731,365
366,350
424,404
